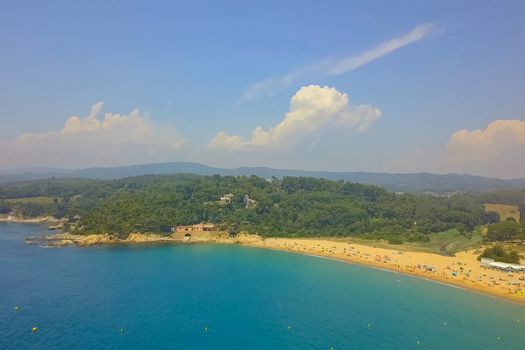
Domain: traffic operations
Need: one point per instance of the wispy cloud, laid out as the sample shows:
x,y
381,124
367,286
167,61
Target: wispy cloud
x,y
344,65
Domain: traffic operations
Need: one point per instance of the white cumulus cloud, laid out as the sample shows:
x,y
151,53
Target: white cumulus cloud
x,y
311,108
498,134
93,140
497,150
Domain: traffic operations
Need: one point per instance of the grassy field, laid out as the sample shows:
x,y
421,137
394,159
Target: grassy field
x,y
444,243
505,211
38,200
452,241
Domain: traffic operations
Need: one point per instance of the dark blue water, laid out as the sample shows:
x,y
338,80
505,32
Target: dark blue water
x,y
231,297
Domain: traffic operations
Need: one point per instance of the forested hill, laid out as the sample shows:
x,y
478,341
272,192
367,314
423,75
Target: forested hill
x,y
289,206
416,182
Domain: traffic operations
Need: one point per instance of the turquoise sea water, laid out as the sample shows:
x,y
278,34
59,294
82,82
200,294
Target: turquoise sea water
x,y
231,297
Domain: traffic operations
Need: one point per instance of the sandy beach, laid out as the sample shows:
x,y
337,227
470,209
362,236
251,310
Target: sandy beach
x,y
462,270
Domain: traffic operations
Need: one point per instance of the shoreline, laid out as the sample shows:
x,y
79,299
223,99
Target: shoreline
x,y
49,222
43,220
461,271
498,289
382,268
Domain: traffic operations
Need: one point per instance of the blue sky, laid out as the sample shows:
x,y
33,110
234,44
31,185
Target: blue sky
x,y
188,66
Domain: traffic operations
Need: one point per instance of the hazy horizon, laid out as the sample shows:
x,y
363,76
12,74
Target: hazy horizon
x,y
398,88
262,174
44,170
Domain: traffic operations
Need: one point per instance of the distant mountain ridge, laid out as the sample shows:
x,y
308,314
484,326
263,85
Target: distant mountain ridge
x,y
414,182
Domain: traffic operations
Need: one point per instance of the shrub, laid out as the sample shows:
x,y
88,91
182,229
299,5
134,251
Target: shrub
x,y
503,231
395,240
498,253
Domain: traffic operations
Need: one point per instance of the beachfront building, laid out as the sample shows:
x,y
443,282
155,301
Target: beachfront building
x,y
485,262
202,227
491,264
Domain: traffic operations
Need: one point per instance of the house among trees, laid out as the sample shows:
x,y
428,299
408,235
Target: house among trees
x,y
227,198
249,202
202,227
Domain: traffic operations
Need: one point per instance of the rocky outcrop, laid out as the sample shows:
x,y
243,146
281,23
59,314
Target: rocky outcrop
x,y
32,220
66,239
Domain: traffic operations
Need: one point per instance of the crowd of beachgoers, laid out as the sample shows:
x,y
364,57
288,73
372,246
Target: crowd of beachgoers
x,y
462,270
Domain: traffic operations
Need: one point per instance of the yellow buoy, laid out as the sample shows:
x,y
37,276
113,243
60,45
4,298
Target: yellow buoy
x,y
34,329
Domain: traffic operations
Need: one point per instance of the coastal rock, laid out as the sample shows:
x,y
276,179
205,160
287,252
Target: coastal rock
x,y
66,239
146,238
32,220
